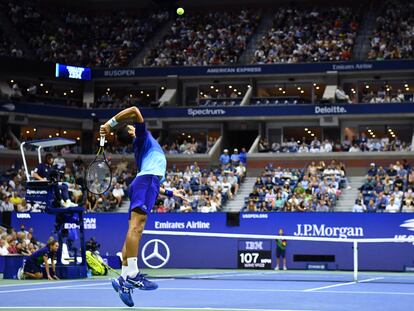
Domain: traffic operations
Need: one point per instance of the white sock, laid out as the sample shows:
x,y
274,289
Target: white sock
x,y
132,269
124,272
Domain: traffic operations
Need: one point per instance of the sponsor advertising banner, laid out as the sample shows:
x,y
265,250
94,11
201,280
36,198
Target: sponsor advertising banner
x,y
251,69
217,112
216,252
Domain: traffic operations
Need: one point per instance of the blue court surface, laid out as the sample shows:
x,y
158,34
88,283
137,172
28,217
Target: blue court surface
x,y
216,290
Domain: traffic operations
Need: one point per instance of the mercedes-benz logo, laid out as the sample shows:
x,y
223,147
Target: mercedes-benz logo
x,y
155,253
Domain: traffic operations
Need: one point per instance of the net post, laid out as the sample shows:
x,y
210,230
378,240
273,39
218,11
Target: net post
x,y
355,243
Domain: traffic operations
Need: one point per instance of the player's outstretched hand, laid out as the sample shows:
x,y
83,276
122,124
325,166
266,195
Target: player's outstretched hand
x,y
180,194
105,129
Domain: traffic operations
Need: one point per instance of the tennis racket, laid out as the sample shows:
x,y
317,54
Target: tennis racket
x,y
98,174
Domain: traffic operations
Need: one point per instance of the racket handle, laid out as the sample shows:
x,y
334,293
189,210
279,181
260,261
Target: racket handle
x,y
102,141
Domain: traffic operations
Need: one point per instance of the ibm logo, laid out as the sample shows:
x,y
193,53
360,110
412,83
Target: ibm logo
x,y
75,72
254,245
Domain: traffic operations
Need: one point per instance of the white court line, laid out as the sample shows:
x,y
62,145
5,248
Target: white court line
x,y
48,287
41,283
341,284
155,308
96,283
254,290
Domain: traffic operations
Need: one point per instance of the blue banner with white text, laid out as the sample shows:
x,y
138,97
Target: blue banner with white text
x,y
216,112
251,69
176,251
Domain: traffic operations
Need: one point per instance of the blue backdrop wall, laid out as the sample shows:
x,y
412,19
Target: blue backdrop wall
x,y
202,252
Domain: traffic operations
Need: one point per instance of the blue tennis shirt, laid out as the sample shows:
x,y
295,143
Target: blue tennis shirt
x,y
149,156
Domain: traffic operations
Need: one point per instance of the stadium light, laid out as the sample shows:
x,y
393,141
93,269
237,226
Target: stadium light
x,y
11,81
406,85
299,88
211,86
312,134
314,84
148,95
367,86
284,92
27,132
280,89
71,91
64,94
34,129
302,91
57,134
317,87
50,136
78,138
41,84
306,128
162,88
142,92
64,132
230,86
108,89
47,92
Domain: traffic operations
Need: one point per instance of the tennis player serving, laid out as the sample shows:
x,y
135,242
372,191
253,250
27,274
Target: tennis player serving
x,y
143,192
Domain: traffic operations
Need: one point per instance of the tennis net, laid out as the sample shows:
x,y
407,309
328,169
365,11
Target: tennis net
x,y
320,259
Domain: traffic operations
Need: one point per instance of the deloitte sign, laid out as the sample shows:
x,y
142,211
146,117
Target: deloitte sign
x,y
330,110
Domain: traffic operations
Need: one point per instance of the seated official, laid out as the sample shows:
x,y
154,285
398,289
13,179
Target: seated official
x,y
46,172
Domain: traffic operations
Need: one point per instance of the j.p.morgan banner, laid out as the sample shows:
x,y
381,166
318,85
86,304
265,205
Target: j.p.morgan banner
x,y
178,251
251,69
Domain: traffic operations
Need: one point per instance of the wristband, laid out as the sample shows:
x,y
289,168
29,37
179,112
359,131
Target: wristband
x,y
112,122
169,193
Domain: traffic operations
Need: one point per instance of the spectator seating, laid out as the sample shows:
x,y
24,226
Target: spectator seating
x,y
207,190
200,39
387,189
308,35
272,101
316,188
103,39
219,102
393,37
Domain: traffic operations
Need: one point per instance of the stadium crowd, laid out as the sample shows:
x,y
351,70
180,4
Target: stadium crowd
x,y
393,37
361,144
101,39
206,189
298,34
315,189
199,39
22,241
387,189
308,35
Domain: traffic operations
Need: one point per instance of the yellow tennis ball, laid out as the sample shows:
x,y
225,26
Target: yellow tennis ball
x,y
180,11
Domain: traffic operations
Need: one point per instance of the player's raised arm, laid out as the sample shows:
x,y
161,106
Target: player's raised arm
x,y
126,114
